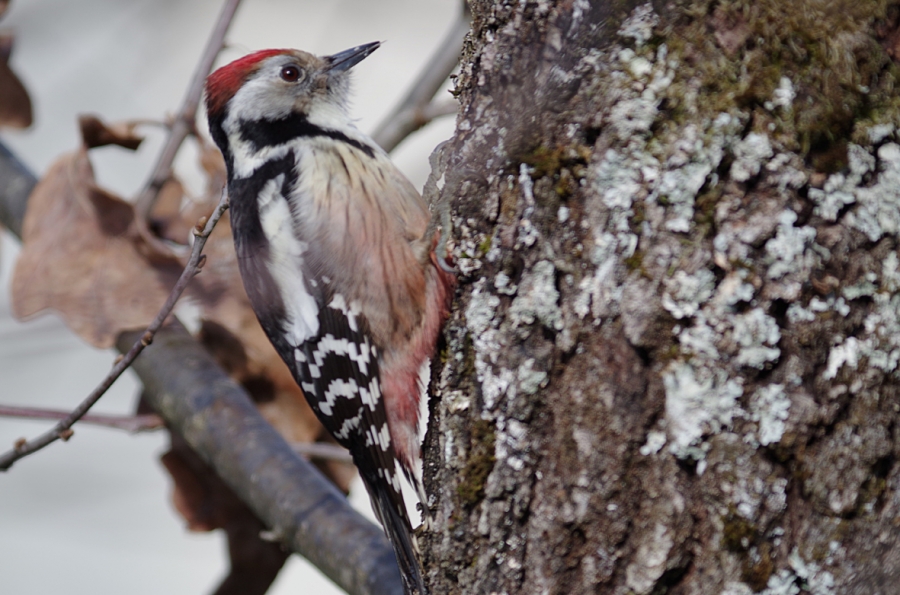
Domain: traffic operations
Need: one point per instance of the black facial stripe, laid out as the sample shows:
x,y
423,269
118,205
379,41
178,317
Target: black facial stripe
x,y
270,133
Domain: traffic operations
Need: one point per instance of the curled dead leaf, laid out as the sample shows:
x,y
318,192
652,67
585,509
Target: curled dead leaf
x,y
168,217
82,258
15,104
96,133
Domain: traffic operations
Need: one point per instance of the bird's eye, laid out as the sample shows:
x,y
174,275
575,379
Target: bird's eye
x,y
291,74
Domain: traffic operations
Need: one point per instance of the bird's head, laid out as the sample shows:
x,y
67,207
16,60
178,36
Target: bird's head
x,y
274,84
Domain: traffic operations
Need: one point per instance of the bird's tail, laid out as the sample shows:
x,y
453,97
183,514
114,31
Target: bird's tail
x,y
390,510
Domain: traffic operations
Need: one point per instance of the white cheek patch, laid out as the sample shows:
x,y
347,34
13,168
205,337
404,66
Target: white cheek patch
x,y
286,263
246,162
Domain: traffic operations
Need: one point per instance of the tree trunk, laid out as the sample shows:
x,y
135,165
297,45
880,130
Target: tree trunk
x,y
672,363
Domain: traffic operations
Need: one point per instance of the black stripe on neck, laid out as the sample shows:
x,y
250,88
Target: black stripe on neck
x,y
270,133
252,246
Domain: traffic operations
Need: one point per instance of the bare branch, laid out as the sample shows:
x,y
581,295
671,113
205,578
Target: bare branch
x,y
302,509
413,112
63,428
182,125
150,422
130,423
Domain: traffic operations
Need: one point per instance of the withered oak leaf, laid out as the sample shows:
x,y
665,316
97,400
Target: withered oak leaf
x,y
82,258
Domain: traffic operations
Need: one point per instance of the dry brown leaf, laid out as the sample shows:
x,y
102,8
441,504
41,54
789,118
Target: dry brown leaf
x,y
168,219
96,133
15,104
82,258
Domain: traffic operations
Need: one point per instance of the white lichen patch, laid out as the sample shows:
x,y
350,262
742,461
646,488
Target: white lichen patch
x,y
528,233
698,402
797,313
538,298
757,335
783,582
839,189
878,210
736,588
655,441
783,96
881,343
700,339
879,132
788,251
750,154
650,560
529,379
817,581
845,354
482,326
679,188
618,180
633,117
769,408
600,292
511,447
639,24
694,158
684,294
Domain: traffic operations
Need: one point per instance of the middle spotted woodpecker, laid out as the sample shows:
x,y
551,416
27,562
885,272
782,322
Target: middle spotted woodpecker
x,y
333,250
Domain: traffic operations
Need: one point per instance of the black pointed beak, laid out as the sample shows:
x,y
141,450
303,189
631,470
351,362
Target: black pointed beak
x,y
348,58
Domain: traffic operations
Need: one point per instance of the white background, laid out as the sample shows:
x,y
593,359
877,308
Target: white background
x,y
93,515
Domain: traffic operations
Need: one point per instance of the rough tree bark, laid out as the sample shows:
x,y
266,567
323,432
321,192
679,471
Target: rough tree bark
x,y
672,363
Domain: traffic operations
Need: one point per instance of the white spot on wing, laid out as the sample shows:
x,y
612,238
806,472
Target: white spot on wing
x,y
350,311
371,395
337,388
342,347
348,426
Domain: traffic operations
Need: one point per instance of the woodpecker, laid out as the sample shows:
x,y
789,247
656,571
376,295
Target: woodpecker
x,y
335,257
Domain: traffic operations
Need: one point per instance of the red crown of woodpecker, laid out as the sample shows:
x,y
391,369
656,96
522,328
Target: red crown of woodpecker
x,y
225,82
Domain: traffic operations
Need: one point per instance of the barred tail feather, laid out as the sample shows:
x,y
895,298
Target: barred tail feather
x,y
396,525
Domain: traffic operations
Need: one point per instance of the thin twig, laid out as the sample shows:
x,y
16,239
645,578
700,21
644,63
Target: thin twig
x,y
182,125
322,451
130,423
62,430
412,113
149,422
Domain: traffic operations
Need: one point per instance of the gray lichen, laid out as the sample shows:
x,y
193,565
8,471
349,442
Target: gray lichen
x,y
679,256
